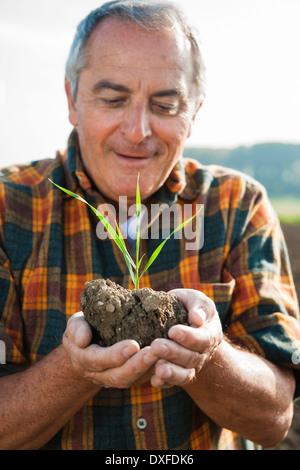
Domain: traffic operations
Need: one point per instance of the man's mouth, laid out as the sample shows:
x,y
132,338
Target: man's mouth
x,y
132,156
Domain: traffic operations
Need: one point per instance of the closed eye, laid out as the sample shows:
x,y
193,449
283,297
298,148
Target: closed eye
x,y
113,101
170,110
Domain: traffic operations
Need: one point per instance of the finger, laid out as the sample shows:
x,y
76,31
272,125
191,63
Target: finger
x,y
196,339
78,330
200,307
133,371
172,352
167,374
197,316
95,358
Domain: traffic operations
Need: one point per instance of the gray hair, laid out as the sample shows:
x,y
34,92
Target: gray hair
x,y
152,15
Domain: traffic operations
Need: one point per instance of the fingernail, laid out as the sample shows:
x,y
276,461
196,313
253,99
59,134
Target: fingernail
x,y
129,351
79,335
164,350
166,374
202,314
149,359
177,335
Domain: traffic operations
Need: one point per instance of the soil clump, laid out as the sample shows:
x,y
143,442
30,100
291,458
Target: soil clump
x,y
116,313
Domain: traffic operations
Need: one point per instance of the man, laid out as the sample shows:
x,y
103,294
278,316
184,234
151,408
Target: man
x,y
134,86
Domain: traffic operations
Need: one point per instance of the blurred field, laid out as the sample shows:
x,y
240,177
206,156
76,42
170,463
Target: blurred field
x,y
292,236
288,209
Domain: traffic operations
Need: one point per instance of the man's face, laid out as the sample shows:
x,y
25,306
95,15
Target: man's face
x,y
134,107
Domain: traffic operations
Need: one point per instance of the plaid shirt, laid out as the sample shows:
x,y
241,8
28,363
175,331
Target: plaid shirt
x,y
49,249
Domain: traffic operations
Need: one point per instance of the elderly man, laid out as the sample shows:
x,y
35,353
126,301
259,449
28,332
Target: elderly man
x,y
134,84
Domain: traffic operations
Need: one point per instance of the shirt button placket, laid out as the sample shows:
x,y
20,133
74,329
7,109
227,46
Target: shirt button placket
x,y
141,424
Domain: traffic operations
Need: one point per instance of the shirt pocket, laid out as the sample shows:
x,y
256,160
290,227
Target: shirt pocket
x,y
220,292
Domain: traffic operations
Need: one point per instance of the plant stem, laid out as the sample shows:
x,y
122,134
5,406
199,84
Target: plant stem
x,y
137,245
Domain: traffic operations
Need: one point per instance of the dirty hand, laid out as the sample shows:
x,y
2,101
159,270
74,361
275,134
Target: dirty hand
x,y
191,346
119,366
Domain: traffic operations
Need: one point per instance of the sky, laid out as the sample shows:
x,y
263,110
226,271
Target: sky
x,y
251,50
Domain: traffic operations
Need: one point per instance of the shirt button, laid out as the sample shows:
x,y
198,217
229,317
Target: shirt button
x,y
141,423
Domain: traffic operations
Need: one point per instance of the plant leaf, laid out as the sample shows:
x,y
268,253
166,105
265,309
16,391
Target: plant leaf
x,y
117,239
120,236
137,243
138,197
132,274
160,247
140,260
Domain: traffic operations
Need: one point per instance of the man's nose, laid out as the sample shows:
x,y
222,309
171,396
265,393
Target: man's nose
x,y
136,126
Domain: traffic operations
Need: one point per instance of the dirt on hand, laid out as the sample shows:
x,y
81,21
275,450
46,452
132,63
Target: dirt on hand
x,y
116,313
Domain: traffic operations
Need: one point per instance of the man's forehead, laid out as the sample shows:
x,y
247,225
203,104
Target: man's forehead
x,y
118,39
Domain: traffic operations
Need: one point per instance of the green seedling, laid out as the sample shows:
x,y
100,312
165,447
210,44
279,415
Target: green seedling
x,y
116,235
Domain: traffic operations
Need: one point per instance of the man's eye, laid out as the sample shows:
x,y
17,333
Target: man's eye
x,y
113,101
168,109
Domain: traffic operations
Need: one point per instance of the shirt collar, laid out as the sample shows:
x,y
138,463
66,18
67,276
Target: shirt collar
x,y
76,175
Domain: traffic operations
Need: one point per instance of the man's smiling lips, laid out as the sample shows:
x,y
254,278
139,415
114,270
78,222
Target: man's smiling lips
x,y
134,158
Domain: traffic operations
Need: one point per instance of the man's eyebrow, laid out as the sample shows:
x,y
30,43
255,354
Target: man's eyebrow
x,y
107,84
171,92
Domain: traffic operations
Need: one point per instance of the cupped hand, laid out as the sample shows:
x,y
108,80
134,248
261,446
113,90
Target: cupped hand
x,y
119,366
190,346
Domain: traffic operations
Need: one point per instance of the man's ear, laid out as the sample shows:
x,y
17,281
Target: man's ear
x,y
193,119
71,103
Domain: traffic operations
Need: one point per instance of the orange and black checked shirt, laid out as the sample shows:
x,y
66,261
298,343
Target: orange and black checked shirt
x,y
49,249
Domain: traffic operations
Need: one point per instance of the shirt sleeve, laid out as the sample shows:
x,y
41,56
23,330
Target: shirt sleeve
x,y
265,312
12,356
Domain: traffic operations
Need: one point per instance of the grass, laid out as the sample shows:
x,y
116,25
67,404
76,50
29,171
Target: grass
x,y
289,219
288,209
